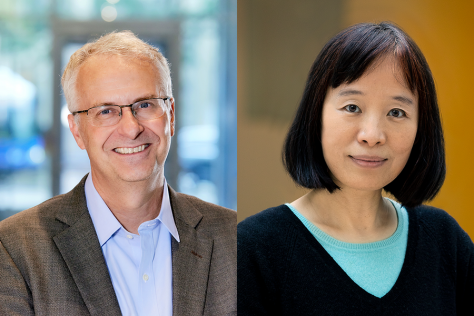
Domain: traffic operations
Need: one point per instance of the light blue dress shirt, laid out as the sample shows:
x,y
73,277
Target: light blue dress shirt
x,y
139,265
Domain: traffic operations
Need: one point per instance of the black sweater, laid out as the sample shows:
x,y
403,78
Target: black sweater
x,y
283,270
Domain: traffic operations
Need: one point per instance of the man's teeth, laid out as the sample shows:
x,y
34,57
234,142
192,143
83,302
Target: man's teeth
x,y
130,150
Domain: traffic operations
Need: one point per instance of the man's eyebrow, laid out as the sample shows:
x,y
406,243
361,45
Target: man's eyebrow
x,y
146,97
403,99
149,96
349,92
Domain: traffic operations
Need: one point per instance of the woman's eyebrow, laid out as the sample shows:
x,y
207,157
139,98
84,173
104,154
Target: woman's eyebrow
x,y
399,98
349,92
403,99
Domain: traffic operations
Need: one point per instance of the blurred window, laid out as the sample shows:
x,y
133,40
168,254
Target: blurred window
x,y
38,155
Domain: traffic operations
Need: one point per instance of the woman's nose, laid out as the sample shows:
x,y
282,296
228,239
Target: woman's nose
x,y
372,132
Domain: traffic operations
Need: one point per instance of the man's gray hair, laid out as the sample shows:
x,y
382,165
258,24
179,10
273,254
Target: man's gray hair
x,y
123,43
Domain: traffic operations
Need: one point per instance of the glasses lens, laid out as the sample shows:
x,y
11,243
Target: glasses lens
x,y
105,115
147,110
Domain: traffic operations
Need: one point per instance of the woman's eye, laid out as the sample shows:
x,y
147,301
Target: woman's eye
x,y
352,108
397,113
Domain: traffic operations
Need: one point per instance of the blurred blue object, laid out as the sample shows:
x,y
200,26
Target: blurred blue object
x,y
21,153
17,105
198,148
21,146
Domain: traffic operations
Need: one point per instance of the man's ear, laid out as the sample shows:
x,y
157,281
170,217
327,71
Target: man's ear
x,y
172,117
75,131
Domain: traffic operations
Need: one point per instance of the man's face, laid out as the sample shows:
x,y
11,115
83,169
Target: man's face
x,y
120,81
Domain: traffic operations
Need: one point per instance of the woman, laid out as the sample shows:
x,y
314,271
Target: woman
x,y
368,121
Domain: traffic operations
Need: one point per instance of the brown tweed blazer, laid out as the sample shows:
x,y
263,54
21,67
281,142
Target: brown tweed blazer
x,y
51,262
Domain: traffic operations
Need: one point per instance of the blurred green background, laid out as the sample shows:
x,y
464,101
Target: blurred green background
x,y
39,157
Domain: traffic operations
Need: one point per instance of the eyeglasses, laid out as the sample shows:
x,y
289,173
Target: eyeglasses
x,y
108,115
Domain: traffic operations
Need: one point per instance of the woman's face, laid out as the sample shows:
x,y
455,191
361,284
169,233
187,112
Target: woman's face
x,y
368,128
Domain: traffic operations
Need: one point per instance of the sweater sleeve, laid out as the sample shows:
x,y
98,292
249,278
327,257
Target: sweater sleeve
x,y
465,274
458,251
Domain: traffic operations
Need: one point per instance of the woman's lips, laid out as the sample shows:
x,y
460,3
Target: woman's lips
x,y
368,161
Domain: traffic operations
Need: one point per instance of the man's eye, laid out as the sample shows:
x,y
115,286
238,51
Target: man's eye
x,y
145,105
105,112
397,113
352,108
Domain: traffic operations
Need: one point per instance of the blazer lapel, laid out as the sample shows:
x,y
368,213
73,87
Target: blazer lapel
x,y
80,248
191,258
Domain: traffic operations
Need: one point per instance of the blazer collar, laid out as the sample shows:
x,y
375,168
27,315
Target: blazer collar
x,y
80,249
183,209
191,258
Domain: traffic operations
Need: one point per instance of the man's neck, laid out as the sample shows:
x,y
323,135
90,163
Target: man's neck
x,y
132,203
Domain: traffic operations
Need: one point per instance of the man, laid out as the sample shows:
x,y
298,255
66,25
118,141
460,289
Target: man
x,y
122,241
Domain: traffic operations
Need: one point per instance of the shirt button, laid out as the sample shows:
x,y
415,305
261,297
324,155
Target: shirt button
x,y
145,277
129,236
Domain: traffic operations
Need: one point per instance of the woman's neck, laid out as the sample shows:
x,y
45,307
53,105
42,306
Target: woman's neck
x,y
349,215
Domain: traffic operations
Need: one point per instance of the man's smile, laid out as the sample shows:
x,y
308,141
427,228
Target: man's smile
x,y
127,150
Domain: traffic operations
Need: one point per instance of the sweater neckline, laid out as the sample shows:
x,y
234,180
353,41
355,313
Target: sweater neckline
x,y
339,274
371,246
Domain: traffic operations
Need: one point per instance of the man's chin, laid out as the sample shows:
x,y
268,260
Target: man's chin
x,y
137,174
127,174
136,177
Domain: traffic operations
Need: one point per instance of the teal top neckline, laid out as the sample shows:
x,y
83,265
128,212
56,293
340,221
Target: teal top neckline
x,y
374,266
322,236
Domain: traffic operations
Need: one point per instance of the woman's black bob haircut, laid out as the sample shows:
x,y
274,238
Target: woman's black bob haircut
x,y
344,59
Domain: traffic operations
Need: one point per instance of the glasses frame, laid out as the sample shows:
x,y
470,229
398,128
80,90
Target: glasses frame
x,y
121,107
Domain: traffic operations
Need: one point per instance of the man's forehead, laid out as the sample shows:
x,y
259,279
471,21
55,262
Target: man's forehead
x,y
101,66
114,60
113,79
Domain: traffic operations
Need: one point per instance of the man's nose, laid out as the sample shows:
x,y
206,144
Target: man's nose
x,y
372,132
128,125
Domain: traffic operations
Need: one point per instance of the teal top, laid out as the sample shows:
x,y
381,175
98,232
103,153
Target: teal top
x,y
373,266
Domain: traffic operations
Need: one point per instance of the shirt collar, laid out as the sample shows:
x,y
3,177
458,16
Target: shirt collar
x,y
106,224
166,214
